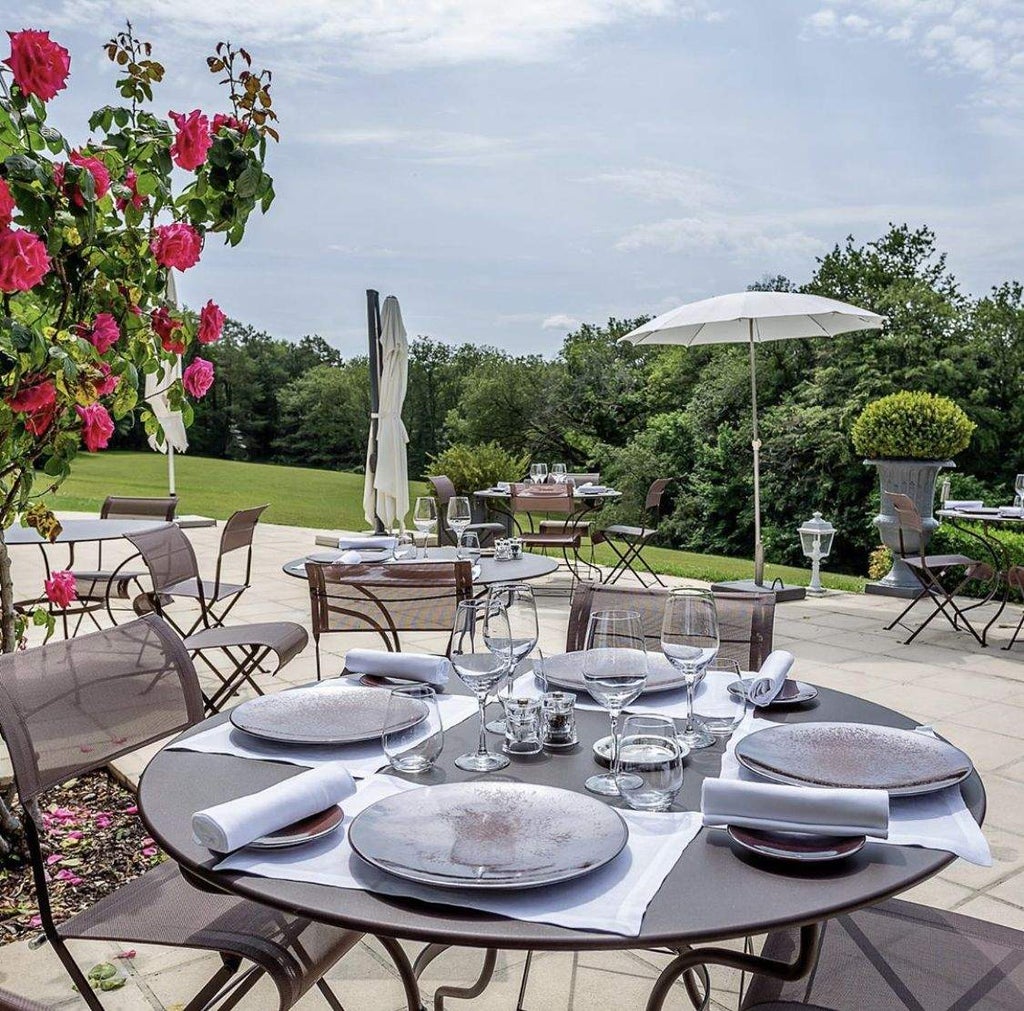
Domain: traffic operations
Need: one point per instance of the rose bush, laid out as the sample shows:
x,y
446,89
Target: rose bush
x,y
88,232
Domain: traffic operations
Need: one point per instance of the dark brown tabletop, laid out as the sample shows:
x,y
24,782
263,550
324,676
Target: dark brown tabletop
x,y
530,566
714,891
80,531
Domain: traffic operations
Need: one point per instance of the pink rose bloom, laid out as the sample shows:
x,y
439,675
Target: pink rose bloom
x,y
60,588
164,326
177,245
104,334
193,140
40,66
137,200
38,401
198,378
6,205
105,386
97,426
23,260
211,323
99,172
231,122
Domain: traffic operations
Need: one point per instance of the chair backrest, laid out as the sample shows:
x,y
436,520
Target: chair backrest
x,y
444,490
126,508
167,554
746,621
910,522
656,493
387,598
542,498
239,529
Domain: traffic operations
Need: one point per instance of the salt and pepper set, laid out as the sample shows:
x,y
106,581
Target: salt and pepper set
x,y
532,724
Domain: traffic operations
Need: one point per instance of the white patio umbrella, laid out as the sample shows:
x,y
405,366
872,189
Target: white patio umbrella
x,y
157,389
749,317
386,487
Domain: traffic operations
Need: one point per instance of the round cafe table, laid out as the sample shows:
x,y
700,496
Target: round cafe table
x,y
517,570
80,532
714,892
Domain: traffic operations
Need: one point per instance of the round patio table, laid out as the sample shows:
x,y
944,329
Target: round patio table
x,y
714,892
530,566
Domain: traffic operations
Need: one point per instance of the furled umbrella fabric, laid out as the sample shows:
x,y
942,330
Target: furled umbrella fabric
x,y
748,317
386,488
158,385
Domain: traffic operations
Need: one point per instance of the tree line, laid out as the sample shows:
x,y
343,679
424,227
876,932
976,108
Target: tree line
x,y
641,413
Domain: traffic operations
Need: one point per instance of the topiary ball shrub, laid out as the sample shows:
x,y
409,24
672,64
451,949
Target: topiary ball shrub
x,y
912,426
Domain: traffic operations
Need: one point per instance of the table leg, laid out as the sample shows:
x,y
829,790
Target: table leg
x,y
1000,562
406,973
692,958
432,951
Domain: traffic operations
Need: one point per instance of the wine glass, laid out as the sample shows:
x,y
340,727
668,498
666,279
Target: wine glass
x,y
521,608
481,668
459,518
689,640
1018,487
424,518
558,472
615,672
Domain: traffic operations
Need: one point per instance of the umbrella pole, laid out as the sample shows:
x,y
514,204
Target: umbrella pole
x,y
756,444
373,334
170,471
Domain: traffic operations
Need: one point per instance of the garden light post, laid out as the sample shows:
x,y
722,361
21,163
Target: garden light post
x,y
816,537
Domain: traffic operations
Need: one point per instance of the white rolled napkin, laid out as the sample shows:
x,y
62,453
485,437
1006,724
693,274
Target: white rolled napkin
x,y
431,670
236,823
368,543
963,503
1011,511
771,677
773,808
327,558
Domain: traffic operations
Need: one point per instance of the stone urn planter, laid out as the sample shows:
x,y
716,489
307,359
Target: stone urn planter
x,y
916,479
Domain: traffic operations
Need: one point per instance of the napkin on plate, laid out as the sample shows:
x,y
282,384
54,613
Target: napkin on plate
x,y
333,558
367,543
590,488
1011,511
766,685
795,808
963,503
431,670
236,823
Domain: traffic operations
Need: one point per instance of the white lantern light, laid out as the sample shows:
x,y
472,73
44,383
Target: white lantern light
x,y
816,537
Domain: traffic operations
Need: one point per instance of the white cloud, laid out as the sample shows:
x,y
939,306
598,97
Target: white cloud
x,y
436,146
396,34
687,187
560,321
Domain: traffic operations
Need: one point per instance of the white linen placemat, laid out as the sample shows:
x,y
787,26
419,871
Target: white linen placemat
x,y
612,899
938,821
362,759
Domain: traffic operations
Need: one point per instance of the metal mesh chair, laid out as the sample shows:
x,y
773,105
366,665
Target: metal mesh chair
x,y
444,491
386,599
746,621
628,542
173,569
932,571
12,1002
1015,579
897,956
72,707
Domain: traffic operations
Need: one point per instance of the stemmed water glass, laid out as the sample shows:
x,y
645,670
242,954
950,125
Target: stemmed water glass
x,y
558,472
518,601
615,673
459,518
481,667
424,518
689,639
1018,487
539,472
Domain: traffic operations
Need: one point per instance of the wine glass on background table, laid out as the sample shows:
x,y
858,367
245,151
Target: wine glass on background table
x,y
689,640
558,472
521,607
539,473
615,673
1018,487
424,518
459,518
480,667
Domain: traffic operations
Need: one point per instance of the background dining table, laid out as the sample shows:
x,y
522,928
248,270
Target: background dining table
x,y
715,891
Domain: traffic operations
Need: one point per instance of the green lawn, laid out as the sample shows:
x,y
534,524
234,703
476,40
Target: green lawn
x,y
323,500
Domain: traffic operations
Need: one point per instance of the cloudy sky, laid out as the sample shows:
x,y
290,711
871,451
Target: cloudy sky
x,y
509,168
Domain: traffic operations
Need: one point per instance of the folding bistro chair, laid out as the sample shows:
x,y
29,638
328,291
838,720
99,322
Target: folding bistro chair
x,y
532,500
12,1002
386,599
896,956
746,621
628,542
444,491
173,569
72,707
1015,580
932,571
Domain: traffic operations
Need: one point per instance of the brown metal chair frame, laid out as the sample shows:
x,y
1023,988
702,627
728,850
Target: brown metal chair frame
x,y
225,986
931,570
634,539
544,499
369,606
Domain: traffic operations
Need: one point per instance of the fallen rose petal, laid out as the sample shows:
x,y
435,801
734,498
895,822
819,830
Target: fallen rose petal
x,y
54,858
129,953
149,851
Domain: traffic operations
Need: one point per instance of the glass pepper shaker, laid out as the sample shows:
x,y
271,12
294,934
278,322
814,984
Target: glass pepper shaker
x,y
558,719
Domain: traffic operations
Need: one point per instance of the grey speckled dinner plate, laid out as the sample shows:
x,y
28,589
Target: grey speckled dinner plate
x,y
323,716
858,755
488,835
566,671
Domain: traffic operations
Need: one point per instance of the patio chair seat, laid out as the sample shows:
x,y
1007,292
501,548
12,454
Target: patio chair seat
x,y
551,539
161,907
99,585
899,955
946,562
487,528
624,532
562,526
211,590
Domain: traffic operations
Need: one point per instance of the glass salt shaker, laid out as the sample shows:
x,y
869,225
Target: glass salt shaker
x,y
522,726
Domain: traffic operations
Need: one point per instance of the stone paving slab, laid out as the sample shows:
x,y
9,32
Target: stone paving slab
x,y
971,695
